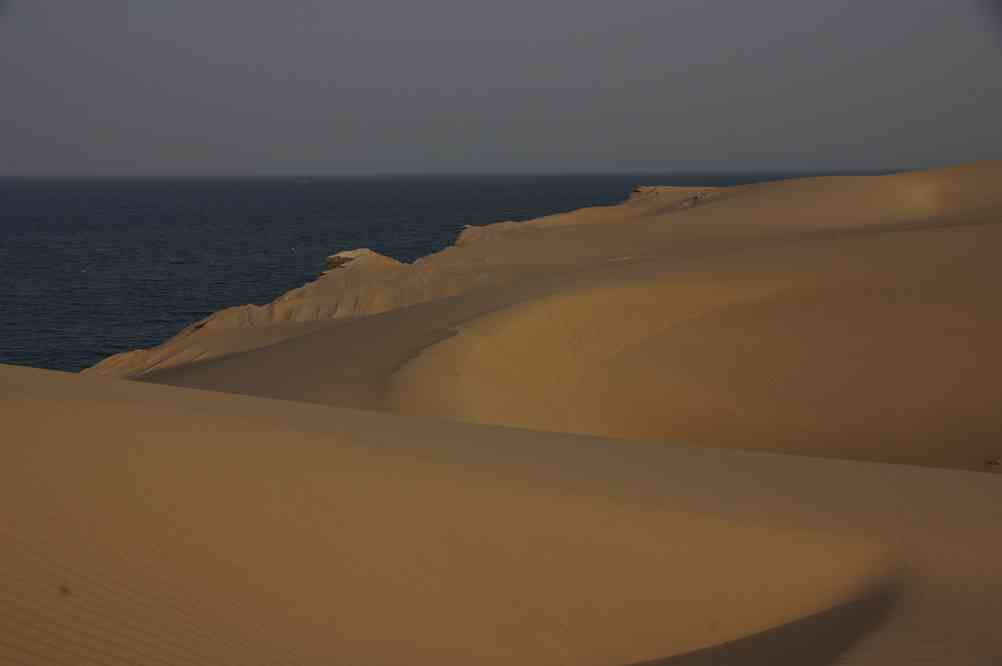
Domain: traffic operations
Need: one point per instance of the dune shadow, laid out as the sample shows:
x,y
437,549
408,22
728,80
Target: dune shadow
x,y
815,640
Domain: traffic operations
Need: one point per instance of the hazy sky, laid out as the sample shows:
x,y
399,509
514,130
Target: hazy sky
x,y
348,86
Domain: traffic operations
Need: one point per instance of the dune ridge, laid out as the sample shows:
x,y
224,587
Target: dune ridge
x,y
369,283
746,426
169,525
839,316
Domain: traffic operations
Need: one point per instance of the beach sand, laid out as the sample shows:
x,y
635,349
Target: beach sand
x,y
746,425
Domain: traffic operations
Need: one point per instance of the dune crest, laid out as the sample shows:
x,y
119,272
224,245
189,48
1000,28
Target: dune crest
x,y
155,524
845,317
660,361
373,284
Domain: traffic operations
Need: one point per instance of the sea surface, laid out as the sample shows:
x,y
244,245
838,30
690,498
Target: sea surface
x,y
90,268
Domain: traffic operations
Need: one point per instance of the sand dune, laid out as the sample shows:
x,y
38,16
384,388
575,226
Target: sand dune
x,y
515,488
154,524
843,317
362,282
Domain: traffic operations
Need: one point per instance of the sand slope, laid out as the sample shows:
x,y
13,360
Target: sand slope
x,y
153,524
851,319
844,317
362,282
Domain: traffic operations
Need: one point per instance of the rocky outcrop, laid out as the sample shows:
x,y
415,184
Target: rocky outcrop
x,y
357,282
360,257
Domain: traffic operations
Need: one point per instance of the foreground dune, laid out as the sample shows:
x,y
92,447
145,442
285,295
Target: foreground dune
x,y
161,525
513,489
850,317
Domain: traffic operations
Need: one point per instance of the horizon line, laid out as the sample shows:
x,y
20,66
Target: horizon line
x,y
784,173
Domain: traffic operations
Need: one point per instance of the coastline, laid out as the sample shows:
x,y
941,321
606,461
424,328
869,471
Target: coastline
x,y
748,428
783,316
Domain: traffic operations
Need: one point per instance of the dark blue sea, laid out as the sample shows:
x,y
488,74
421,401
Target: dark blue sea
x,y
89,268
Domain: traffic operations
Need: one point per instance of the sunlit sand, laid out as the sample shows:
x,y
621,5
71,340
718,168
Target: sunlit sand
x,y
748,425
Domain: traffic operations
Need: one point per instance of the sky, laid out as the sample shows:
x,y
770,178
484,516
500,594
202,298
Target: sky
x,y
241,87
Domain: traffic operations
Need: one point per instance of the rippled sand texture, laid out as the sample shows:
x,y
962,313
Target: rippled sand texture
x,y
155,524
662,360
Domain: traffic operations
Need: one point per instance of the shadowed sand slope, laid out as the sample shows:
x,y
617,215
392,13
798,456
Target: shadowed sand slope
x,y
151,522
816,640
842,317
154,524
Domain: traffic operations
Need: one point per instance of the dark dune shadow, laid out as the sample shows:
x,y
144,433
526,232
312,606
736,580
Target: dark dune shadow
x,y
816,640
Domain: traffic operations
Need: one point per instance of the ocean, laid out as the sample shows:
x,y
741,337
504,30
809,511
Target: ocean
x,y
90,268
